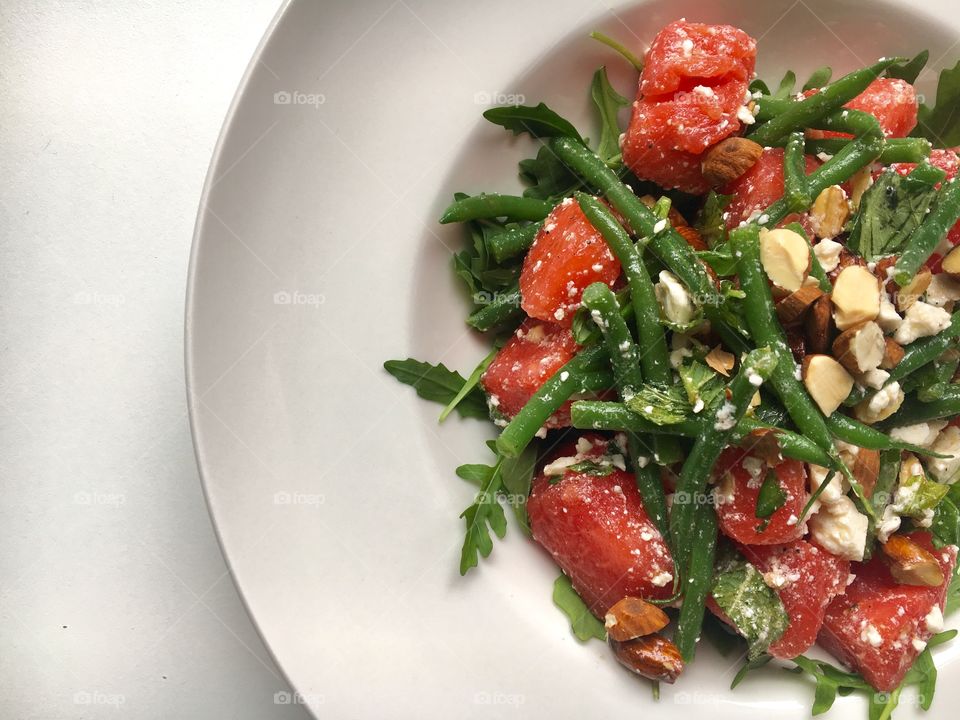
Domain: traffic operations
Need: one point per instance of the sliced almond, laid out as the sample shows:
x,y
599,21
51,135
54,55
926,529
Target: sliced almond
x,y
652,657
860,348
892,354
632,618
720,360
859,184
692,237
785,257
913,290
729,159
856,297
818,325
951,262
827,382
794,306
830,212
911,564
866,469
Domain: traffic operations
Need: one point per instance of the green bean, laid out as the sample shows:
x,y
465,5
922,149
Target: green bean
x,y
699,463
504,307
924,351
926,175
655,359
494,205
791,444
895,150
699,577
803,113
545,401
624,356
515,241
851,431
924,240
941,370
596,381
796,191
854,122
914,411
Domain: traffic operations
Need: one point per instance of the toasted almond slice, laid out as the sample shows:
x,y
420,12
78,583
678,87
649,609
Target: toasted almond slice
x,y
652,657
913,290
729,159
860,348
827,382
830,212
911,564
633,617
866,469
692,237
720,360
856,296
951,262
785,257
818,325
859,183
892,354
792,308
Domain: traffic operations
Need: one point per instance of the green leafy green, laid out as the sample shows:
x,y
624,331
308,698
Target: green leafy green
x,y
701,384
818,78
663,406
710,222
830,681
620,48
916,496
748,666
439,384
592,467
721,260
755,610
470,384
911,70
787,84
946,518
547,177
940,124
719,634
538,120
582,621
771,496
517,477
608,102
484,515
890,210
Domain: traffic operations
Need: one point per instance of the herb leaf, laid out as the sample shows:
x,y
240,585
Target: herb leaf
x,y
701,383
755,610
537,120
620,48
910,71
818,78
710,223
748,665
517,478
484,515
771,496
786,85
663,406
940,124
439,384
469,385
582,621
548,177
608,102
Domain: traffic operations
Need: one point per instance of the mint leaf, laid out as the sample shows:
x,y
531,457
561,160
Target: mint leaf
x,y
538,121
663,406
755,610
608,102
439,384
890,210
940,124
582,621
700,383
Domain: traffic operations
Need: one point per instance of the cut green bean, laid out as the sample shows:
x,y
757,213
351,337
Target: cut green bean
x,y
796,190
699,577
515,241
895,150
502,309
856,433
624,356
494,205
924,351
924,240
915,411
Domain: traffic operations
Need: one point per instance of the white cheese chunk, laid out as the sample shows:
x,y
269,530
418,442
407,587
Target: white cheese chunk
x,y
921,320
840,529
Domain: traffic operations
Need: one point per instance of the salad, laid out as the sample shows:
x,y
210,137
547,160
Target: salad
x,y
724,365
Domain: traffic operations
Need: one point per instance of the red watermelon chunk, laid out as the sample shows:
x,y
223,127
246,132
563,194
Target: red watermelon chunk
x,y
879,627
893,102
535,352
684,51
806,578
737,492
598,532
567,256
668,168
759,187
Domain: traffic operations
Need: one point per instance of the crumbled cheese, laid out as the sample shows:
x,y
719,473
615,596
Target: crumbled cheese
x,y
674,299
885,398
704,91
934,620
875,378
943,289
828,253
745,116
921,434
564,376
754,377
918,644
840,529
947,469
753,465
726,418
889,524
870,635
687,46
559,314
834,490
921,320
661,579
560,465
584,446
888,319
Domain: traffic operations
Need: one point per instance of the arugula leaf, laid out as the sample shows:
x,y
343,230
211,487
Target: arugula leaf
x,y
710,222
469,385
911,70
701,383
582,621
439,384
475,474
755,609
946,518
537,120
620,48
758,85
953,593
787,84
748,666
663,406
484,515
890,210
771,496
517,478
818,78
830,681
608,102
940,124
721,636
548,177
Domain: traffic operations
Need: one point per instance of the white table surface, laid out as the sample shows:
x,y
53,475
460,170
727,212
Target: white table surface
x,y
114,596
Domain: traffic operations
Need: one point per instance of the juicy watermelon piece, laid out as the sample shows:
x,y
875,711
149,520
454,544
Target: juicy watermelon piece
x,y
737,494
684,51
893,102
879,627
567,256
668,168
806,578
759,187
598,532
535,352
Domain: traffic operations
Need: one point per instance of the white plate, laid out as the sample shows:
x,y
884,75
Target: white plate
x,y
317,256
